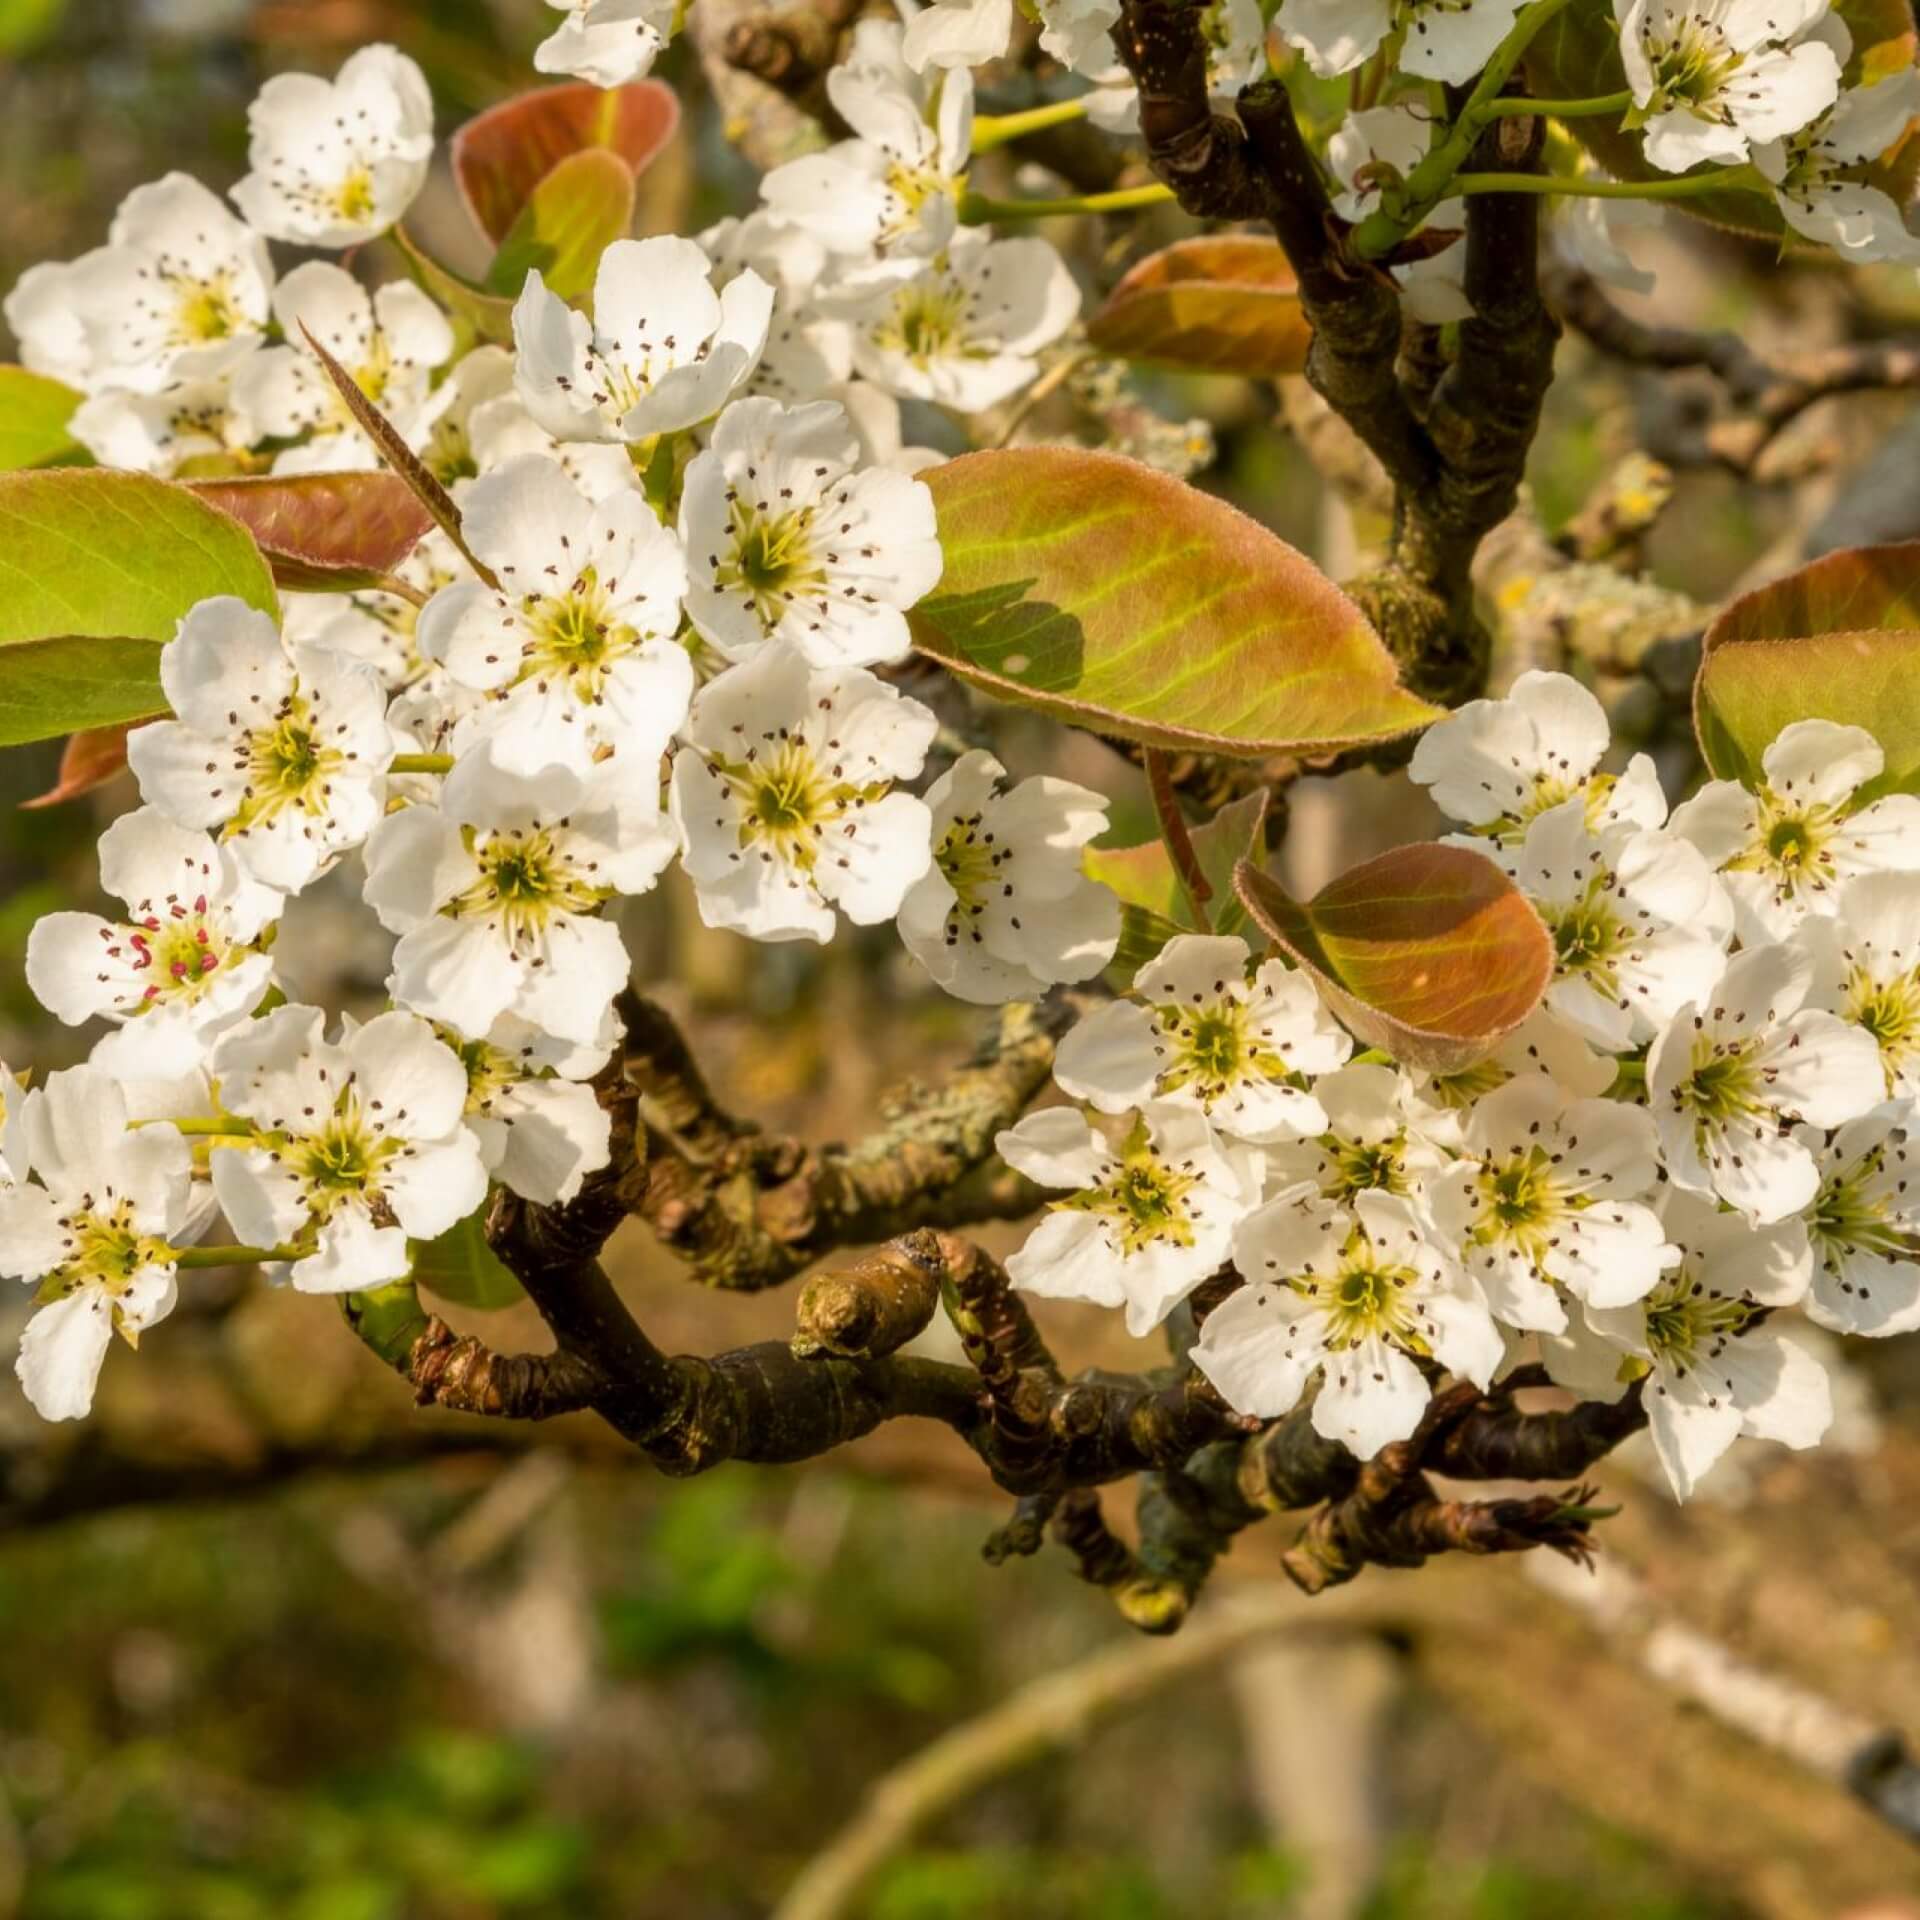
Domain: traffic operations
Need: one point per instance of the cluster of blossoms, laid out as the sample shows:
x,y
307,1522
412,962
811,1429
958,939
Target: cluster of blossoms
x,y
634,673
691,535
1708,1118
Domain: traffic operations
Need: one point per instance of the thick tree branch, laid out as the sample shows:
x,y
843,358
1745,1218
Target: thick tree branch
x,y
756,1219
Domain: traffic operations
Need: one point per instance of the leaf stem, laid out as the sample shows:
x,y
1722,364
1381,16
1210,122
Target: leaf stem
x,y
1432,180
421,763
992,130
976,210
1173,830
1684,187
190,1257
1590,108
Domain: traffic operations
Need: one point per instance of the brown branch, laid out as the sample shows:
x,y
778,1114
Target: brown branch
x,y
874,1306
791,49
756,1225
1763,396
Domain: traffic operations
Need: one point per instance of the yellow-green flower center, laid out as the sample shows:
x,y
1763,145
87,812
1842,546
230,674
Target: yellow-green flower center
x,y
103,1249
1367,1297
772,560
1144,1198
288,766
574,636
525,879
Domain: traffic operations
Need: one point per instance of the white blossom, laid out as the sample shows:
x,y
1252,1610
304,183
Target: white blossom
x,y
337,162
378,629
663,350
1553,1194
809,353
1202,1034
1378,145
1078,33
1715,1368
1380,1133
360,1145
187,953
896,186
1495,764
1357,1295
1144,1223
1589,228
1005,911
98,1233
496,896
963,328
575,649
958,33
784,798
160,432
539,1125
1815,172
44,317
1783,849
1867,969
1864,1226
180,291
1711,77
1543,1043
389,341
1448,40
281,749
787,539
1730,1076
606,41
1639,923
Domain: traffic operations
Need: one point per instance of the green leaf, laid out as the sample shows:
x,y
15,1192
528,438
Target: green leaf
x,y
325,532
1577,54
34,412
1428,952
1838,640
1153,903
488,316
1222,303
461,1267
95,567
503,154
71,685
572,217
1120,599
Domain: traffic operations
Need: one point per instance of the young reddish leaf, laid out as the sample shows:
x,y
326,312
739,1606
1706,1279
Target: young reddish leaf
x,y
1123,600
488,315
1428,952
1223,303
87,761
325,532
1577,54
572,217
34,412
500,157
398,455
1838,640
